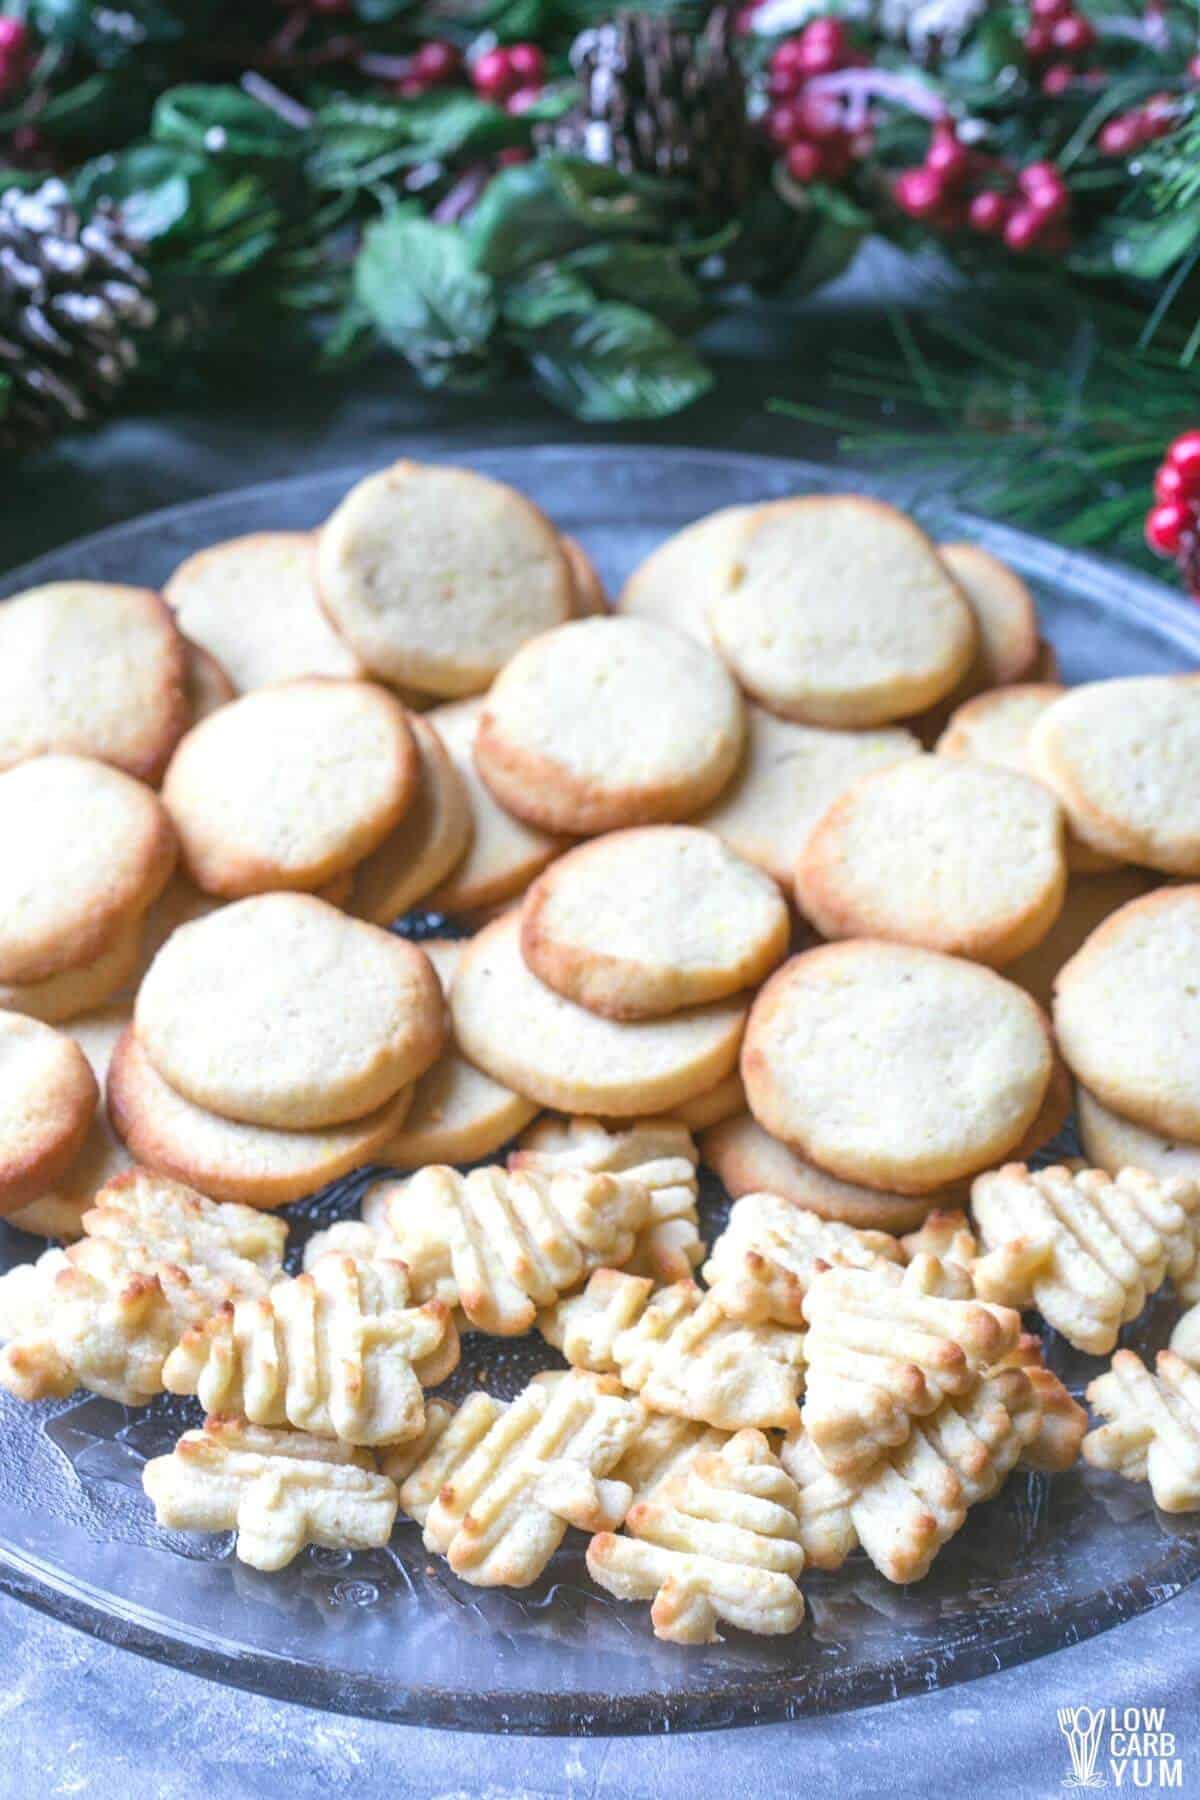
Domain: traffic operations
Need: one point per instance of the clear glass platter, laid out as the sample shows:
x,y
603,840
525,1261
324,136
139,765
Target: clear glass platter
x,y
392,1634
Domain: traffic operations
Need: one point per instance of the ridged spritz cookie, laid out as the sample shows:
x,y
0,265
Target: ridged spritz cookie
x,y
290,786
995,727
436,576
282,1011
93,668
208,685
504,853
943,852
553,1051
789,775
58,1210
1005,612
895,1067
678,582
841,613
225,1160
252,602
610,722
86,850
748,1160
1126,1015
1122,757
74,991
642,923
431,839
587,589
1113,1143
48,1095
458,1114
1090,899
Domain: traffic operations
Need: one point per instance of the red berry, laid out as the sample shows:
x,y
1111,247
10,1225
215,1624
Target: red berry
x,y
948,158
783,126
918,192
14,37
1169,483
1023,228
803,162
1184,454
437,63
785,83
1038,42
492,75
513,155
1165,526
824,47
1057,79
1193,68
27,140
988,213
1073,35
1049,10
410,87
788,59
527,65
1120,136
522,100
820,116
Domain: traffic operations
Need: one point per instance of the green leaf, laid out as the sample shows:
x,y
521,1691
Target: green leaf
x,y
520,220
615,362
605,200
418,284
1139,249
151,183
360,142
651,276
543,295
223,122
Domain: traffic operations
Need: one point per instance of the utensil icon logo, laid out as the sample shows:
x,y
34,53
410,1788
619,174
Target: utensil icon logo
x,y
1082,1727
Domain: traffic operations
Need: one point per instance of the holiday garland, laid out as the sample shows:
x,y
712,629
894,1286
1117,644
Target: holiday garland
x,y
483,185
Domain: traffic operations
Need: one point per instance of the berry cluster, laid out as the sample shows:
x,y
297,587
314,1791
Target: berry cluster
x,y
1057,41
511,75
805,124
1128,131
16,55
1173,522
957,188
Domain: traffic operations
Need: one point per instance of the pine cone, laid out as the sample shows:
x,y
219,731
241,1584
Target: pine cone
x,y
72,298
658,100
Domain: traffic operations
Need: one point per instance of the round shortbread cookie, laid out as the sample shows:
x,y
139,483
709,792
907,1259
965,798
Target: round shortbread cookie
x,y
48,1096
789,775
1122,757
841,612
505,854
587,589
1126,1015
716,1104
58,1212
431,839
1090,899
1113,1143
995,728
252,602
894,1067
226,1160
86,850
208,685
282,1011
748,1160
93,668
436,576
678,582
610,722
559,1054
81,990
641,923
458,1114
290,786
944,852
1005,613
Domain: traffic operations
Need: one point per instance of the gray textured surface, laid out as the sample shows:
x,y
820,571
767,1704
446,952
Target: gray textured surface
x,y
78,1717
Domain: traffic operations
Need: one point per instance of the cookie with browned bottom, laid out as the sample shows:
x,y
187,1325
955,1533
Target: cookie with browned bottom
x,y
48,1095
430,841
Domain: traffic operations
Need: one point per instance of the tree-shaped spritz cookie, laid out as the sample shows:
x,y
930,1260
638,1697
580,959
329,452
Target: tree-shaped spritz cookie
x,y
679,1352
885,1349
912,1500
1086,1249
156,1259
339,1352
771,1252
500,1245
660,1153
496,1485
279,1490
719,1541
1153,1429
